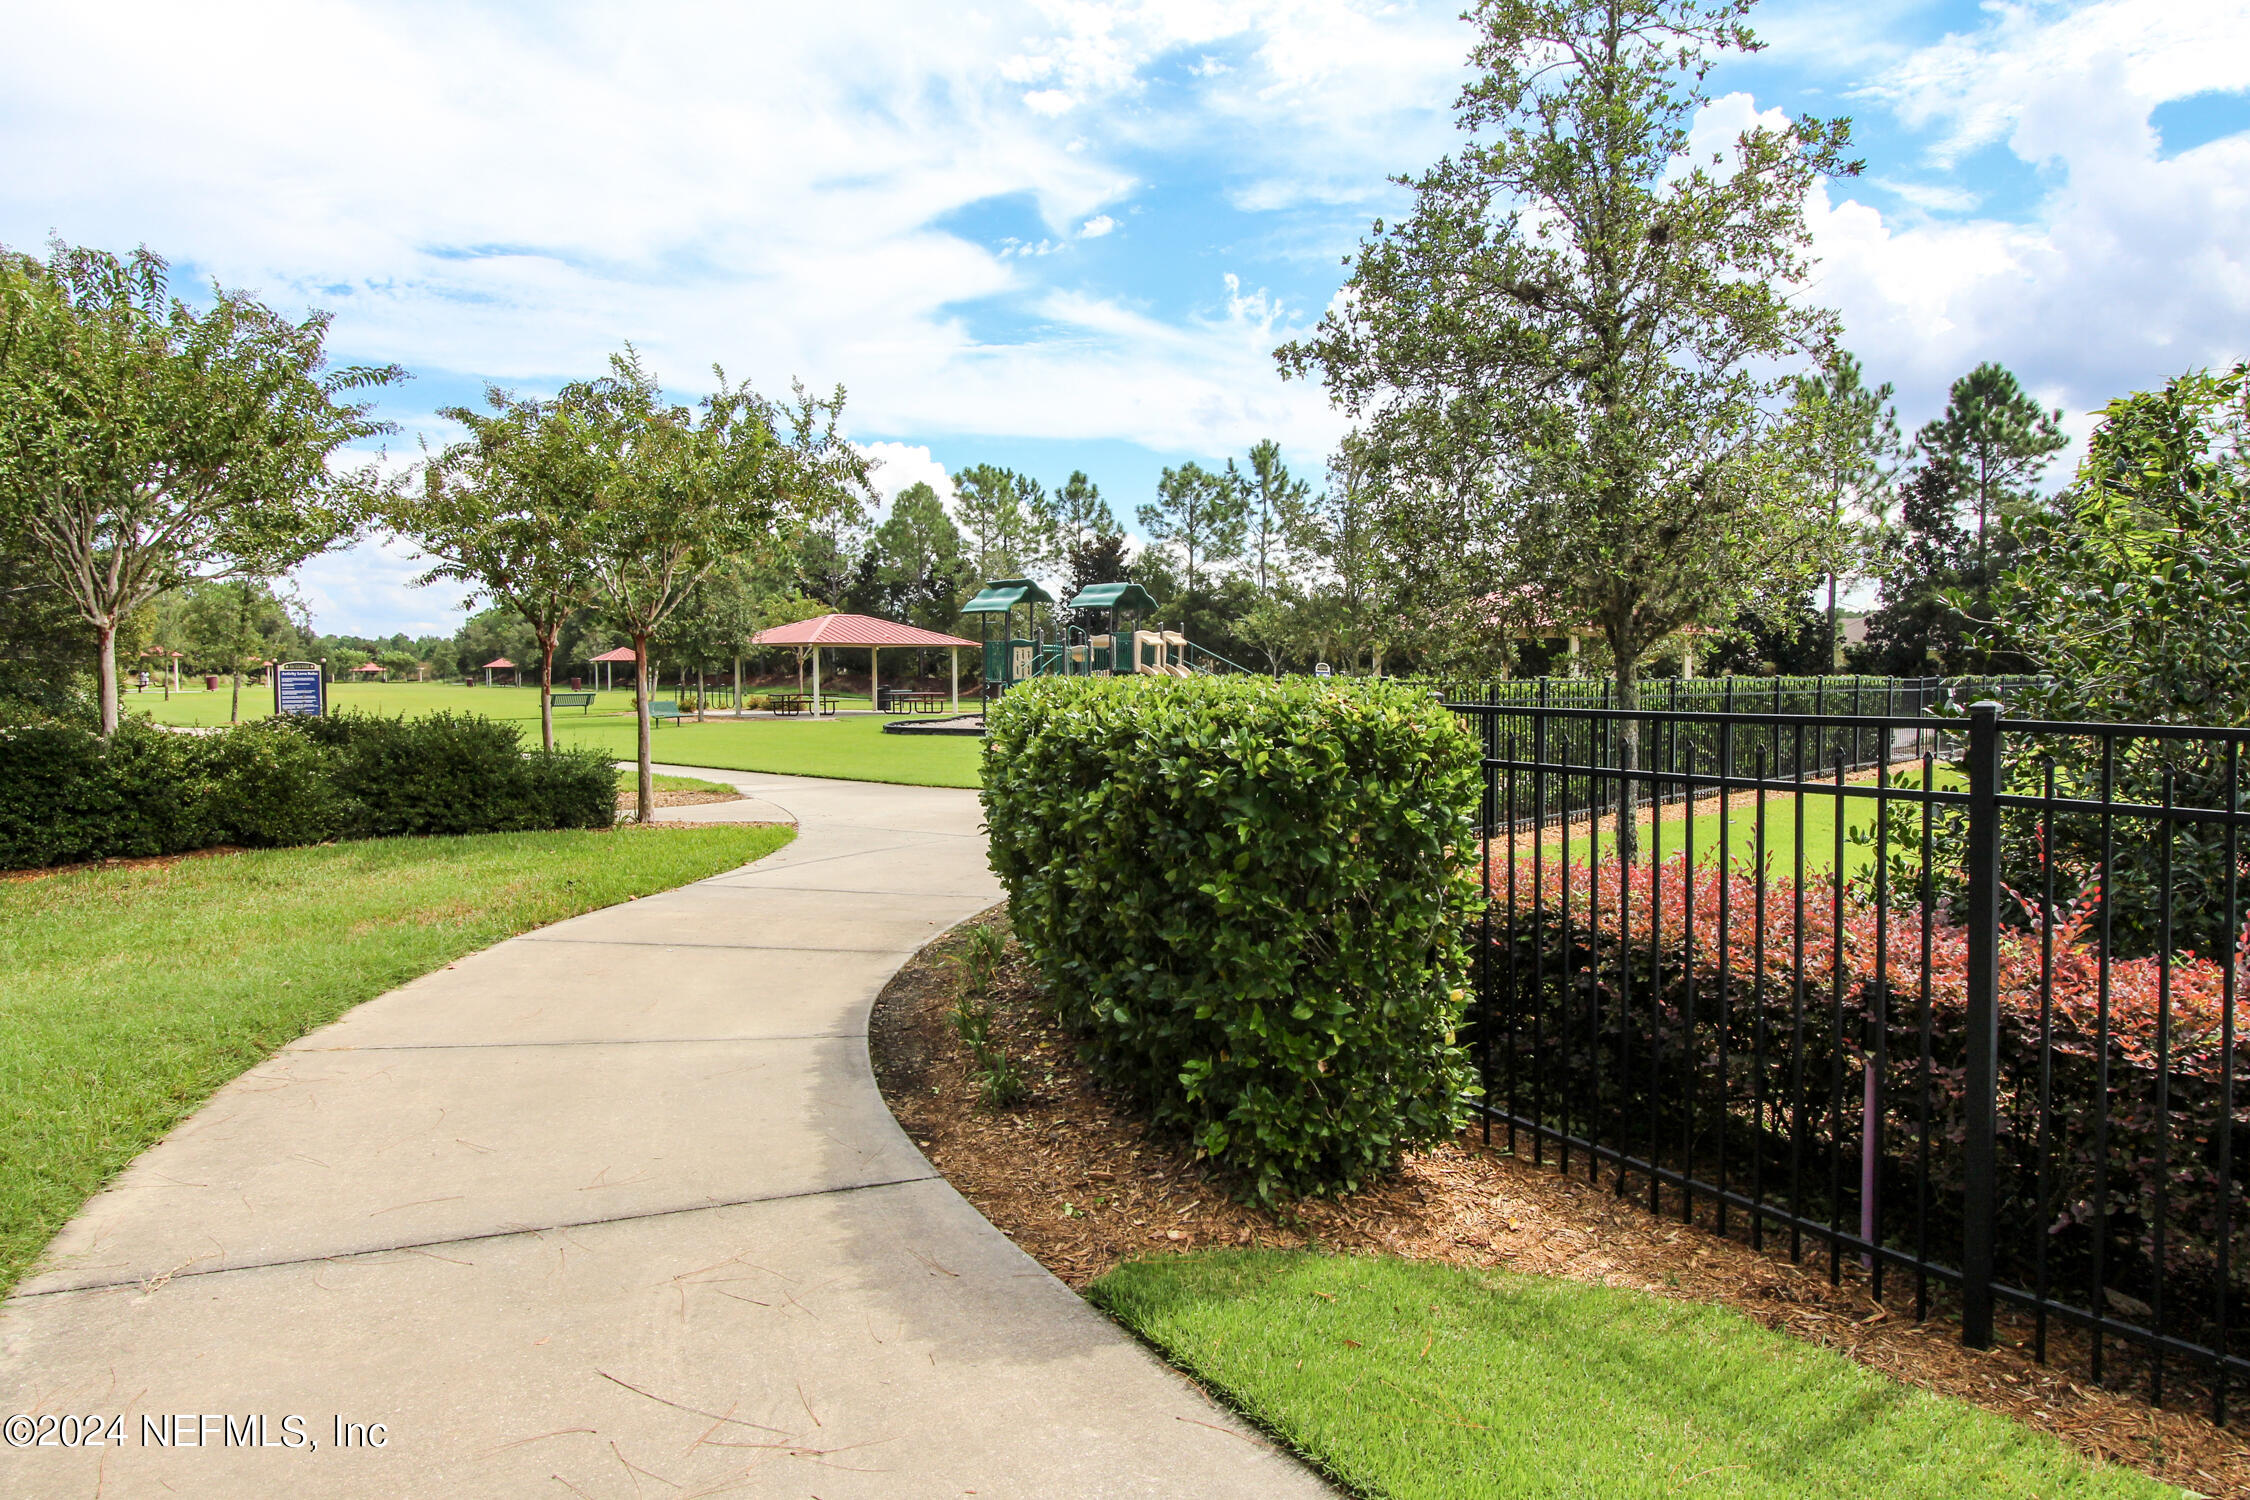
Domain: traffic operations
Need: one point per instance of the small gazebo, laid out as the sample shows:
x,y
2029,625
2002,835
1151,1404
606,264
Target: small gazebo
x,y
498,663
863,632
610,658
364,668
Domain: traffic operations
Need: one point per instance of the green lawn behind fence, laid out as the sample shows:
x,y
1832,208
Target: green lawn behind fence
x,y
1739,830
1421,1381
130,993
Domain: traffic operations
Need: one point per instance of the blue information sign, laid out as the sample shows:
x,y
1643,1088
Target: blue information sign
x,y
297,689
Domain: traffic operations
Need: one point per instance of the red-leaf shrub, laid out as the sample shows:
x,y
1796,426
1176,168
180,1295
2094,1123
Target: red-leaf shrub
x,y
1626,1007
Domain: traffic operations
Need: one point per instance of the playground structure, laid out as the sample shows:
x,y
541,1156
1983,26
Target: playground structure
x,y
1125,648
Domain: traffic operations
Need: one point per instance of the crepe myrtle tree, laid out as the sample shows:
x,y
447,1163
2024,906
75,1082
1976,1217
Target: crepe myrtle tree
x,y
1565,354
505,511
146,444
681,490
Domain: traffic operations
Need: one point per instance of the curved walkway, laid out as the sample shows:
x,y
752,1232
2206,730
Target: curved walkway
x,y
610,1209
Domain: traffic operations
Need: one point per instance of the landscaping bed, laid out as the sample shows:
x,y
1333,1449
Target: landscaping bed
x,y
675,791
1075,1179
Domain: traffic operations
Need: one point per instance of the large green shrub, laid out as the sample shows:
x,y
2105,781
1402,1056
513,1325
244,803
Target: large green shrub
x,y
1249,898
67,795
265,786
460,773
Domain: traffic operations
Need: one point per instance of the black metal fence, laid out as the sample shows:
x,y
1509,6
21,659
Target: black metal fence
x,y
1892,697
1950,1001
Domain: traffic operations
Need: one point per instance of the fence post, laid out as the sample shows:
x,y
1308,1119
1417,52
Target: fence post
x,y
1980,1174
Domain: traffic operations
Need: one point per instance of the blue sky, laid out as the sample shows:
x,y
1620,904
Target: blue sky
x,y
1062,234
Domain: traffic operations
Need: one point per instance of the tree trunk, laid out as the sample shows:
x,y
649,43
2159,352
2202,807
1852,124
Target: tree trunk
x,y
644,791
738,687
234,704
107,670
1628,750
1832,622
547,690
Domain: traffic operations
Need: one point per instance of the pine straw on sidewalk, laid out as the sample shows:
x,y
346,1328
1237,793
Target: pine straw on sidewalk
x,y
1073,1178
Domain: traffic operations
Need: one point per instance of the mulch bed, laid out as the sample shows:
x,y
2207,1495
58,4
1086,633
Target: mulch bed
x,y
676,798
148,862
1074,1178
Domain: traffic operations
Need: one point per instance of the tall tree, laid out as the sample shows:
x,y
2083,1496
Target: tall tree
x,y
1975,467
233,625
1567,347
505,512
145,444
680,491
1081,514
1274,511
1340,529
715,624
1201,516
1006,520
919,560
1993,441
1843,439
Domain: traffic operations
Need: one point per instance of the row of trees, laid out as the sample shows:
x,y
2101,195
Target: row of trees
x,y
611,498
146,445
149,448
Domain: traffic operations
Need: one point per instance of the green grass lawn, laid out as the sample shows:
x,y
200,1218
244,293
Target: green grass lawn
x,y
851,749
412,699
1741,832
1418,1381
130,993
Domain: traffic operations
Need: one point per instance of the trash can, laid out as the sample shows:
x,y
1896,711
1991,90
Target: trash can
x,y
210,682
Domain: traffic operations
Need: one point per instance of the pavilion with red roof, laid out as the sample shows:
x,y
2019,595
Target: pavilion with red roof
x,y
608,659
862,632
500,662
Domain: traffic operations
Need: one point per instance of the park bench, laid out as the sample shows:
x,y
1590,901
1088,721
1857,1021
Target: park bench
x,y
581,701
660,709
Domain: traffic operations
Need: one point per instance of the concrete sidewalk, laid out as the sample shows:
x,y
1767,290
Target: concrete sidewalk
x,y
611,1209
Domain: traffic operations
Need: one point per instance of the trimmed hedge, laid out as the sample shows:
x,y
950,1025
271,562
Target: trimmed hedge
x,y
66,795
1249,898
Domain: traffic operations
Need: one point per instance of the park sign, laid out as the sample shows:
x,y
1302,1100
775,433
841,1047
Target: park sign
x,y
1322,669
298,689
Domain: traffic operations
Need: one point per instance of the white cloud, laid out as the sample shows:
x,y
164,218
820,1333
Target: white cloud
x,y
1048,102
2126,268
1096,227
368,589
904,464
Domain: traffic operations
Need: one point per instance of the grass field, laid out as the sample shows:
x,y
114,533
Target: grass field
x,y
133,992
852,749
1418,1381
1740,832
412,699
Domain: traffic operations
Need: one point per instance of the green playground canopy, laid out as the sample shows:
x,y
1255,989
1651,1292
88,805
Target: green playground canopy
x,y
1004,594
1114,596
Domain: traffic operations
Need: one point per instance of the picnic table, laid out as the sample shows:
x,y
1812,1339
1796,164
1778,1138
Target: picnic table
x,y
800,703
916,701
